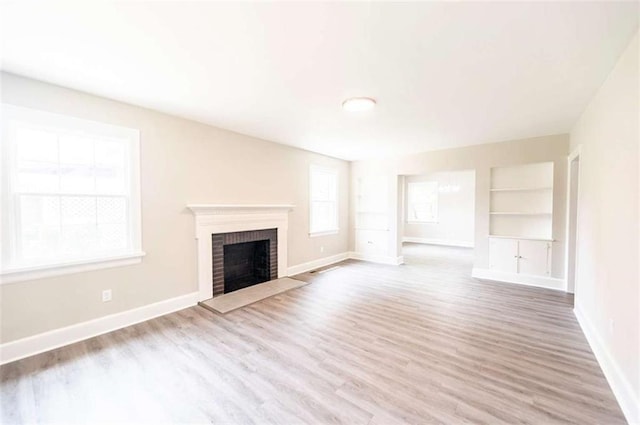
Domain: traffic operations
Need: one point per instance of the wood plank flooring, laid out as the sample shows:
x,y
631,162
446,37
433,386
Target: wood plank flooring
x,y
363,344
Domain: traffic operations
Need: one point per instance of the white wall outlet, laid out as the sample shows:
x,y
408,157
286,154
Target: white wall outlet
x,y
612,325
106,295
322,249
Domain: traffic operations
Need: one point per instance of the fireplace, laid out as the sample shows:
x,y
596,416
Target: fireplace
x,y
243,259
214,220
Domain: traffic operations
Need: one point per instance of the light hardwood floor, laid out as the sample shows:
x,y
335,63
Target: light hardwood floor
x,y
362,344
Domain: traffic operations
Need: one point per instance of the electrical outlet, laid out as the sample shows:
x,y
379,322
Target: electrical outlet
x,y
106,295
612,325
322,249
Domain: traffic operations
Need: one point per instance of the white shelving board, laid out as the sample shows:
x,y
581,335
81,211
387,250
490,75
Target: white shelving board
x,y
522,201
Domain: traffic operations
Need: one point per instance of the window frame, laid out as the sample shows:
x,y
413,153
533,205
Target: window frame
x,y
314,168
9,273
435,219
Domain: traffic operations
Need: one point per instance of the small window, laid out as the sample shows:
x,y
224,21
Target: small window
x,y
323,201
422,202
71,191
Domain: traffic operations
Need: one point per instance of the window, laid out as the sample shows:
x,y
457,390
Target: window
x,y
323,201
422,202
70,194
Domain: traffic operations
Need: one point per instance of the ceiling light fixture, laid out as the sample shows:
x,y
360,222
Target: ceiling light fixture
x,y
358,104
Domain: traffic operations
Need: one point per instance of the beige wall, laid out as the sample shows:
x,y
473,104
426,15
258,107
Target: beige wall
x,y
482,158
608,282
181,162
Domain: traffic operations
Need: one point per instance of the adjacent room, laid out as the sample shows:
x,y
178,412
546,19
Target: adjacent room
x,y
369,213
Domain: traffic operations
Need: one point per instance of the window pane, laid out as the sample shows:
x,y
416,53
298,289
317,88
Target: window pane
x,y
78,210
36,145
323,216
76,150
39,210
39,242
320,187
78,240
37,177
110,180
323,199
77,179
113,236
112,210
110,153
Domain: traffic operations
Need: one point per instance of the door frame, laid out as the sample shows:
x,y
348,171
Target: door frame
x,y
572,243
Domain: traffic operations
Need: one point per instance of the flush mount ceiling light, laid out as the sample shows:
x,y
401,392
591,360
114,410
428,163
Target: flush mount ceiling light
x,y
358,104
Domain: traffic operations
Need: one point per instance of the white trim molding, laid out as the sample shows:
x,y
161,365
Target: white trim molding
x,y
443,242
621,387
49,270
377,258
217,218
316,264
36,344
324,233
519,279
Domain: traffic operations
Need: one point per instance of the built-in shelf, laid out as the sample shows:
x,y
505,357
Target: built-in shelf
x,y
520,189
518,213
529,238
521,202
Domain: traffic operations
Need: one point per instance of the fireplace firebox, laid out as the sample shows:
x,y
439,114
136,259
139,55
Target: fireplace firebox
x,y
245,264
242,259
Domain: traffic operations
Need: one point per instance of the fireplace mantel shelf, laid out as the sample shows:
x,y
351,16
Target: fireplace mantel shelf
x,y
199,209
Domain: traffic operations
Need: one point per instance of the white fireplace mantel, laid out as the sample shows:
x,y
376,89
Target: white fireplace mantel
x,y
202,209
224,218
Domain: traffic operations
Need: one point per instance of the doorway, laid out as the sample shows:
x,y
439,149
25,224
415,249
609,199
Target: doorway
x,y
573,187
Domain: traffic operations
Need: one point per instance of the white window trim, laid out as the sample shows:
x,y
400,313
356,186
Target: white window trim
x,y
325,232
135,254
20,274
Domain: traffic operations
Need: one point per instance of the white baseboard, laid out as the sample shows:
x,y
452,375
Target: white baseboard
x,y
443,242
377,258
321,262
622,389
519,279
46,341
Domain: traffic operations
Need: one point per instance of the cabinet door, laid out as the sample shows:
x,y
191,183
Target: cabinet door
x,y
372,241
534,257
503,255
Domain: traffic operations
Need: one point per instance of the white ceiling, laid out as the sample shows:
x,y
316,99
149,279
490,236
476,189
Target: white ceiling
x,y
444,74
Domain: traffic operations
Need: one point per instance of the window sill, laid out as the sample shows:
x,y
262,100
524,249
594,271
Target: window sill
x,y
423,222
324,233
19,274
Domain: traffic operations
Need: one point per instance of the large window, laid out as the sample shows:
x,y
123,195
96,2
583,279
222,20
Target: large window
x,y
323,201
422,202
70,192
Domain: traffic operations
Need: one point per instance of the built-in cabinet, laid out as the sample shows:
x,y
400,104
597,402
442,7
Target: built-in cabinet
x,y
372,216
521,217
520,256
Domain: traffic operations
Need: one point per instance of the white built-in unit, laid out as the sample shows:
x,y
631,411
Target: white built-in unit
x,y
372,217
521,217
